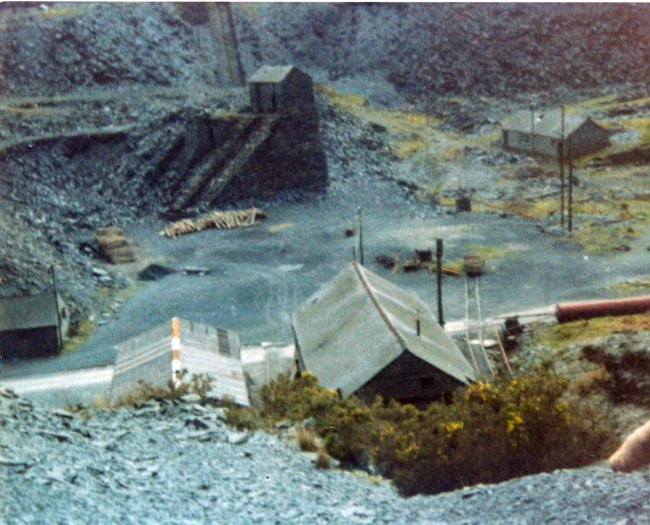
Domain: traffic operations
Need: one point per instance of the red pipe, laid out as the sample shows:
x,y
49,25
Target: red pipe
x,y
566,312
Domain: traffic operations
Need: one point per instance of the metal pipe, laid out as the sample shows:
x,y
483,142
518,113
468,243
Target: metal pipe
x,y
566,312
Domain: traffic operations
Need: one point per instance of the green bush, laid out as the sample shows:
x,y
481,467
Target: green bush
x,y
489,432
492,432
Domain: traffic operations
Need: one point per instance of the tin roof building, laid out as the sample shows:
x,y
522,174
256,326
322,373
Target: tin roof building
x,y
361,334
540,133
157,357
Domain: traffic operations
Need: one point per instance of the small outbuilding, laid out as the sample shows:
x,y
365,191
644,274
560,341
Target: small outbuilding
x,y
540,133
32,326
281,89
360,334
158,356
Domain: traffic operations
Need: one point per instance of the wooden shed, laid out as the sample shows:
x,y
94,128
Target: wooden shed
x,y
32,326
157,356
361,334
281,89
540,133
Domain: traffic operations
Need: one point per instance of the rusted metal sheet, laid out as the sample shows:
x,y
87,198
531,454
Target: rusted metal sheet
x,y
566,312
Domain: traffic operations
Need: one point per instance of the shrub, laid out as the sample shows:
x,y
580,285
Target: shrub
x,y
489,432
492,432
323,459
306,440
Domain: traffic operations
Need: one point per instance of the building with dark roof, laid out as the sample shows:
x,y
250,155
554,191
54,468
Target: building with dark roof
x,y
281,89
32,326
361,334
540,133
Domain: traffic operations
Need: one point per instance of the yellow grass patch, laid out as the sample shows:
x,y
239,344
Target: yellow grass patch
x,y
59,11
410,146
639,284
640,124
492,252
603,239
79,332
559,336
275,228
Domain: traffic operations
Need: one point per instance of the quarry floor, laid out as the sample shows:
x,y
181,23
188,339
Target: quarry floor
x,y
258,276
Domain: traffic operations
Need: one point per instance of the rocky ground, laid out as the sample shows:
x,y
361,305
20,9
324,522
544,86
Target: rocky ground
x,y
178,462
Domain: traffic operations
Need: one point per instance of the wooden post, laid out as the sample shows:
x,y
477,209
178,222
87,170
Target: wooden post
x,y
441,320
532,130
59,335
561,155
360,238
417,322
570,200
354,253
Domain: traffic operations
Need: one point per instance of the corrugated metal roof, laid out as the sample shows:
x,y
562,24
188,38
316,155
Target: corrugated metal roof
x,y
547,123
271,74
33,311
204,349
359,323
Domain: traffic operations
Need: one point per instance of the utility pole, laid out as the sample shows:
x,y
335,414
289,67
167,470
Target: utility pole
x,y
56,306
561,155
532,130
441,319
360,238
570,203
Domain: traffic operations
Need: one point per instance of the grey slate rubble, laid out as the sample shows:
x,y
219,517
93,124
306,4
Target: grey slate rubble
x,y
116,468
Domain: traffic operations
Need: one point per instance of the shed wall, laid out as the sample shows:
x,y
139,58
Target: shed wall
x,y
519,141
296,93
588,138
32,342
143,358
409,379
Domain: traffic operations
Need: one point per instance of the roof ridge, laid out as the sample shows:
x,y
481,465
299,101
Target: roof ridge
x,y
380,310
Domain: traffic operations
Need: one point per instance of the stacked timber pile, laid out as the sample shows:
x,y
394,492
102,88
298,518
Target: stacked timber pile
x,y
114,246
215,219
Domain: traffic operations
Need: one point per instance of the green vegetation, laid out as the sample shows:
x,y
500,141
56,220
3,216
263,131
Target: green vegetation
x,y
199,384
635,285
489,432
560,336
78,332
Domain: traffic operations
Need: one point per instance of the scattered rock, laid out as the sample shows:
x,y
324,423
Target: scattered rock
x,y
238,438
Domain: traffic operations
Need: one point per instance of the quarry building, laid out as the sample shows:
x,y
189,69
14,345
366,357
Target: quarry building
x,y
280,89
158,356
32,326
540,133
361,334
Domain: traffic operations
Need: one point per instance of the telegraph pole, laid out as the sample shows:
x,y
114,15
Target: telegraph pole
x,y
56,306
441,319
360,238
570,203
561,155
532,130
